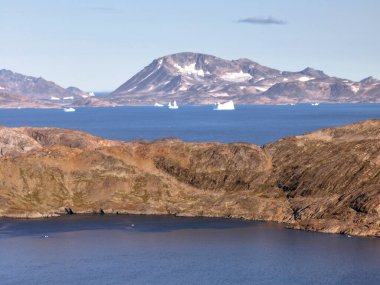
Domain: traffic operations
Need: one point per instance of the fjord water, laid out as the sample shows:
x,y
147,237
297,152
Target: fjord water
x,y
249,123
173,250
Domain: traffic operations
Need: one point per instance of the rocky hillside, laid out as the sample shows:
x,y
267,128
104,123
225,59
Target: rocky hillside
x,y
194,78
18,90
9,100
326,181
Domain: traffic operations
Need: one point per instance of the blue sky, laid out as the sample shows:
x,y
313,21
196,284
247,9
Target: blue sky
x,y
99,44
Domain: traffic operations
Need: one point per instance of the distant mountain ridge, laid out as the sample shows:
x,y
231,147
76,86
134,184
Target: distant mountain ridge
x,y
194,78
18,90
34,87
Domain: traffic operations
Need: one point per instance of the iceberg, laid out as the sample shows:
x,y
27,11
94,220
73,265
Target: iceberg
x,y
68,109
173,106
229,105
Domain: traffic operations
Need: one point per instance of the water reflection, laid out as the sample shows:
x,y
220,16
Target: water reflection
x,y
172,250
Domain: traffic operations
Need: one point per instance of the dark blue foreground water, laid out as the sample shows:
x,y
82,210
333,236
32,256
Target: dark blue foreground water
x,y
256,124
172,250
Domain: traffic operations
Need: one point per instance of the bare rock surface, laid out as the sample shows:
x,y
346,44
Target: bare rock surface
x,y
327,181
194,78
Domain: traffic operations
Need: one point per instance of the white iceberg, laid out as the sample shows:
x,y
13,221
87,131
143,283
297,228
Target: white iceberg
x,y
173,106
229,105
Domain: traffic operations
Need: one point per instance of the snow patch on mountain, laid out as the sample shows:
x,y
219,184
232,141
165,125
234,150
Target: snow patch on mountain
x,y
152,72
183,88
220,94
189,70
355,88
305,78
236,76
261,88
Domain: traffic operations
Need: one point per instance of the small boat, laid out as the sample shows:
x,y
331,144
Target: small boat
x,y
158,105
173,106
229,105
68,109
314,104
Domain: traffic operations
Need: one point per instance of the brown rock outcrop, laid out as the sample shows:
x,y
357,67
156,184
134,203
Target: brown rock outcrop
x,y
327,181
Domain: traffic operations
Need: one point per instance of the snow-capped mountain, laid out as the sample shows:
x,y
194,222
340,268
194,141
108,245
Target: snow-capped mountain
x,y
195,78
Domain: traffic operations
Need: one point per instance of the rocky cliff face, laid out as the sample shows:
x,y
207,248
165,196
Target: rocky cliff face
x,y
326,181
194,78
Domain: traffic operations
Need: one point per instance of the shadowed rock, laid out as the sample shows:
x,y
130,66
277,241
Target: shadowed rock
x,y
69,211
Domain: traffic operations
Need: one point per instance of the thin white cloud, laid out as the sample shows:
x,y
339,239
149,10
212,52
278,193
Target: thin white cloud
x,y
262,21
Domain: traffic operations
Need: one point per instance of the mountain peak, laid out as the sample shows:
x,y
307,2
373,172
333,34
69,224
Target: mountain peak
x,y
197,78
6,72
313,73
189,72
188,55
369,80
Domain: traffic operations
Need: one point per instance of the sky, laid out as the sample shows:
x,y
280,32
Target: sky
x,y
97,45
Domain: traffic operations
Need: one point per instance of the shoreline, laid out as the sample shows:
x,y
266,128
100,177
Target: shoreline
x,y
290,226
190,105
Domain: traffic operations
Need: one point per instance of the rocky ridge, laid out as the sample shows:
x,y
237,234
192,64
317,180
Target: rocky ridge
x,y
193,78
327,181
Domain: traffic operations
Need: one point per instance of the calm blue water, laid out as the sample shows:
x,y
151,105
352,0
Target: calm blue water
x,y
172,250
168,250
256,124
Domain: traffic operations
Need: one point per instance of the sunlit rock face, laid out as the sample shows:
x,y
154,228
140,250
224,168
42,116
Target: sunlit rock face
x,y
325,181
